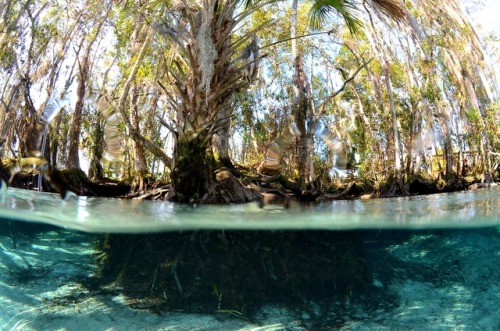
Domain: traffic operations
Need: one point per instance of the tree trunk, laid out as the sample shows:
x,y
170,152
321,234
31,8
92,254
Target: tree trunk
x,y
364,122
447,144
192,170
196,175
140,163
300,106
96,170
220,141
6,133
55,138
397,150
206,78
76,125
379,46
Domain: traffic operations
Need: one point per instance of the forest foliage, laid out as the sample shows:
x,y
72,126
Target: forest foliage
x,y
310,91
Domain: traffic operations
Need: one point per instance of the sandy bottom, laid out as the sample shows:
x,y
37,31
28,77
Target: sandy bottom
x,y
446,280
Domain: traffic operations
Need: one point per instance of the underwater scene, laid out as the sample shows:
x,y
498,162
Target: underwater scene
x,y
415,263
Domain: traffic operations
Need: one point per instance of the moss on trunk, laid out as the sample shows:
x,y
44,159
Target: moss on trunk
x,y
192,171
198,177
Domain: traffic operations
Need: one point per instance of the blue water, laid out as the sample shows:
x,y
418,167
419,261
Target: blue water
x,y
433,263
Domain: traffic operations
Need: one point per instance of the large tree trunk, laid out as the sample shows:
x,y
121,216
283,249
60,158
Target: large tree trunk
x,y
206,81
192,170
198,177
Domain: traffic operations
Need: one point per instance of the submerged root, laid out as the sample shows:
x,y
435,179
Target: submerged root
x,y
233,271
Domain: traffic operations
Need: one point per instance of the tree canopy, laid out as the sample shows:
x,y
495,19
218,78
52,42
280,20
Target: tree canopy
x,y
203,93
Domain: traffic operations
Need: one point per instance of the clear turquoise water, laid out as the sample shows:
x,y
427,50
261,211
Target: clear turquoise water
x,y
434,262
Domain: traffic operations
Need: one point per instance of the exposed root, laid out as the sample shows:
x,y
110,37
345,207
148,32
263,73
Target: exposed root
x,y
341,194
228,189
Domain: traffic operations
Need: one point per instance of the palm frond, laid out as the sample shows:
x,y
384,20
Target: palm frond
x,y
393,9
322,10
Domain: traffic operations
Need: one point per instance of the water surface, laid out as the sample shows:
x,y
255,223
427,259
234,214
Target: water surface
x,y
448,210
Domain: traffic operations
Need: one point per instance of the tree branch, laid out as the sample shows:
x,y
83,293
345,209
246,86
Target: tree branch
x,y
346,81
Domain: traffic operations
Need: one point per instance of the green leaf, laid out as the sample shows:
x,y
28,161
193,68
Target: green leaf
x,y
322,10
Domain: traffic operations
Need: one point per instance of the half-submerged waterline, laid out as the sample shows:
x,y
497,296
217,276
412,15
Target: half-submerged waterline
x,y
466,209
176,266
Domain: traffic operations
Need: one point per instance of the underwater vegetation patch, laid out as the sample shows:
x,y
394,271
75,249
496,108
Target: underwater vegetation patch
x,y
231,271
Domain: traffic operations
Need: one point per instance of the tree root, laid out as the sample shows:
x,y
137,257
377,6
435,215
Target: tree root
x,y
228,189
341,194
